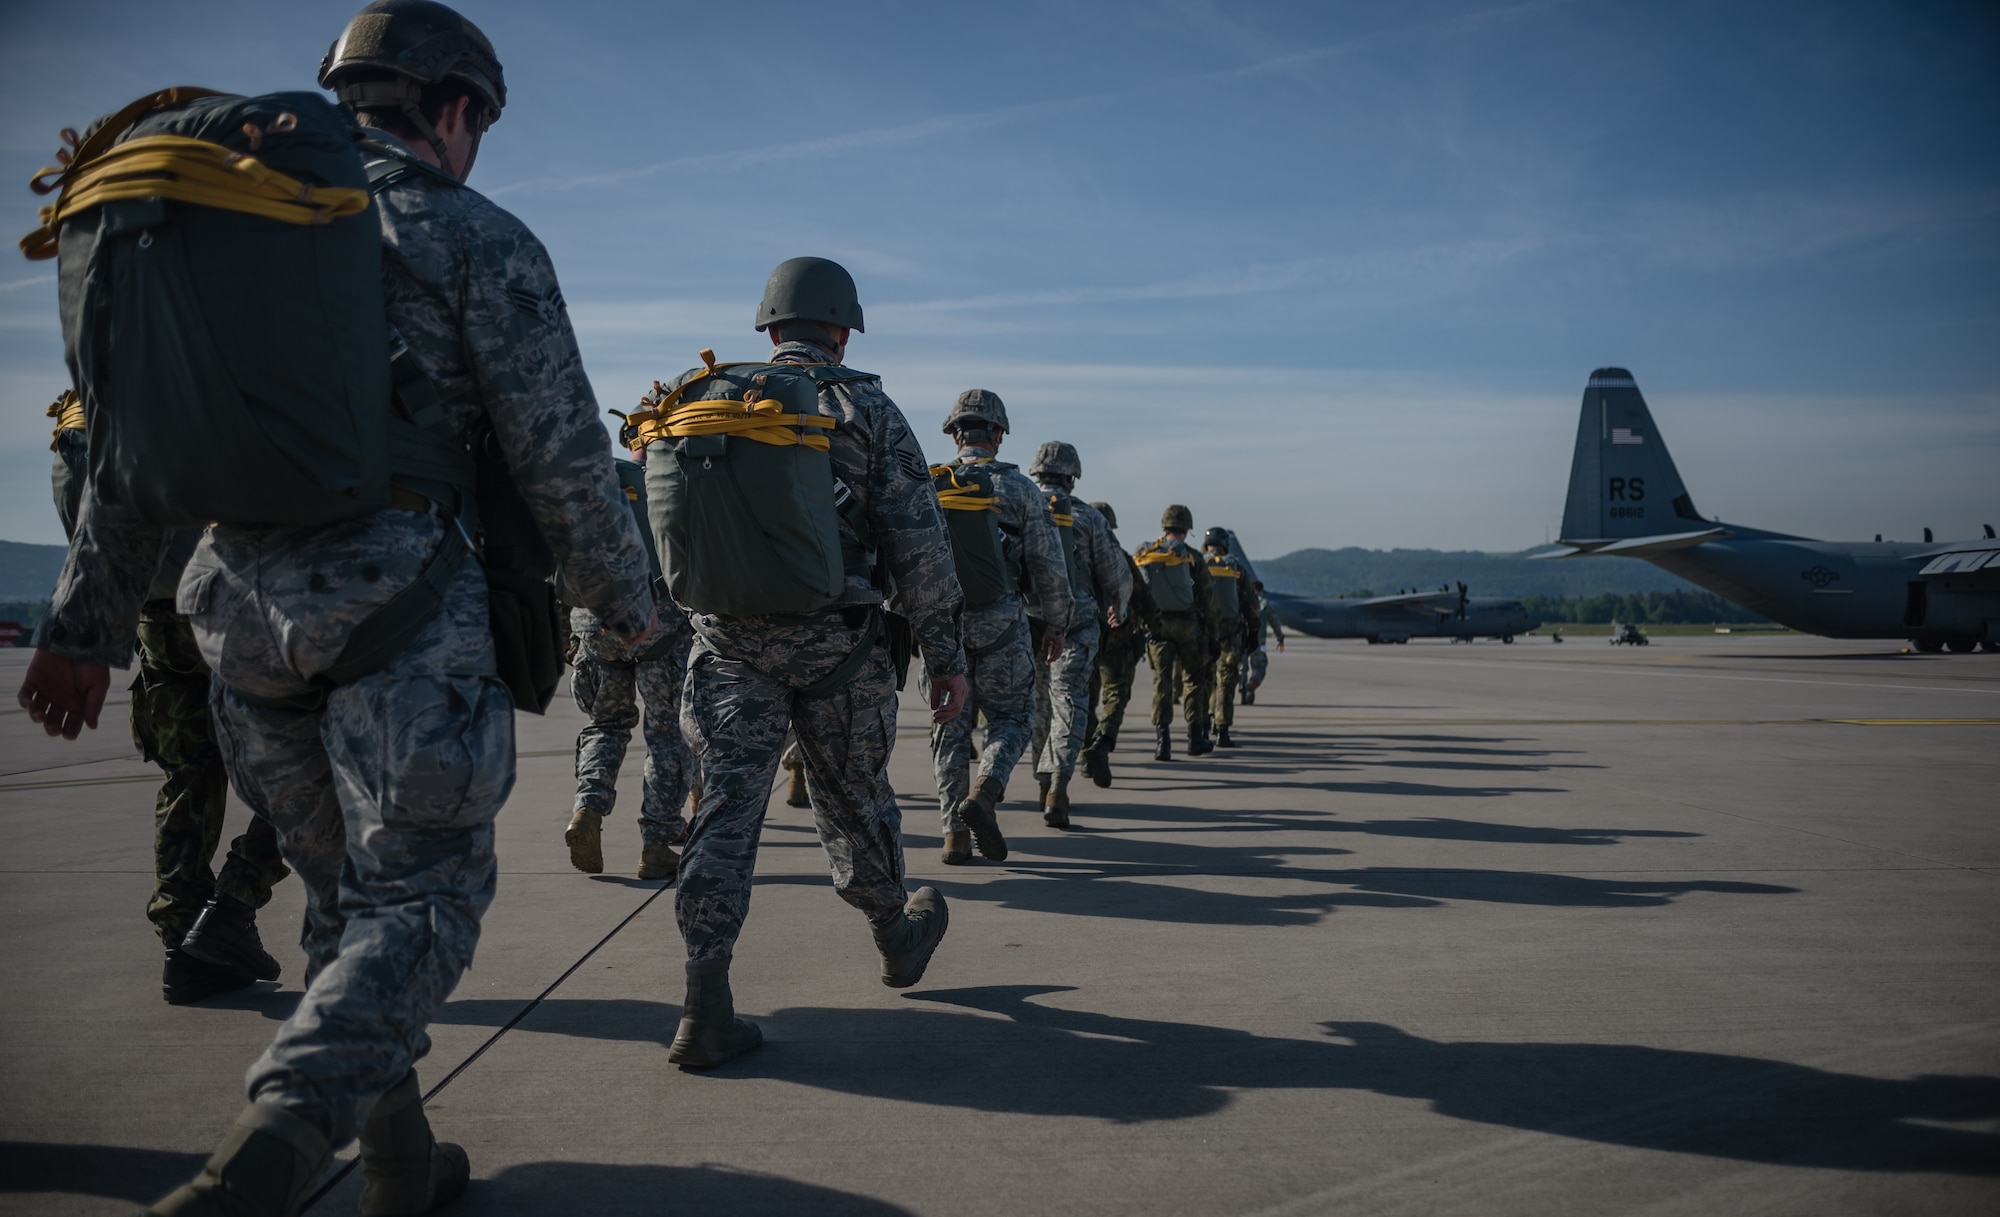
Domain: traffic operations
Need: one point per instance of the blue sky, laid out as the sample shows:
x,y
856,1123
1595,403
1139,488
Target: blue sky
x,y
1331,273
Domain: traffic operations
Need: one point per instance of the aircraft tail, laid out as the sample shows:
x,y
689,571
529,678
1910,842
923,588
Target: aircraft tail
x,y
1622,482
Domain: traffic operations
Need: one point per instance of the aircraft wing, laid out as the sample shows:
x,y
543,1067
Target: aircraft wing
x,y
1635,547
1961,561
1442,604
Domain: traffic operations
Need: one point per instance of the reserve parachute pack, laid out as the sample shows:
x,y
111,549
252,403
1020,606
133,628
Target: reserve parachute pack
x,y
971,505
1062,510
1169,577
741,490
1223,580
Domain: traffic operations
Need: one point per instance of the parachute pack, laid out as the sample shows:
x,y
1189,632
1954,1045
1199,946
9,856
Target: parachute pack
x,y
1169,577
972,519
1062,511
1223,580
741,490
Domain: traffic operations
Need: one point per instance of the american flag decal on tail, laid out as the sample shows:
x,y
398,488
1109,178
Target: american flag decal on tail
x,y
1626,435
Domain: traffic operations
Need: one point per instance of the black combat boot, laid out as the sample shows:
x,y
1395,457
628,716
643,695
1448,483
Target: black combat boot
x,y
186,979
710,1033
226,934
1110,739
1222,739
908,942
1164,749
267,1163
409,1171
1198,744
977,812
1055,813
1096,764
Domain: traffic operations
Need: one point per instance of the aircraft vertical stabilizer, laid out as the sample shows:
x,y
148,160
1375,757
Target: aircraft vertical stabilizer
x,y
1622,483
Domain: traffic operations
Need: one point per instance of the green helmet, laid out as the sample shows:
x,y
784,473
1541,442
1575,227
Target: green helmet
x,y
976,406
415,43
811,289
1218,537
1058,458
1177,516
1110,516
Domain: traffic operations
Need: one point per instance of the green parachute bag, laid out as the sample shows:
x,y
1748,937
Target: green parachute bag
x,y
972,521
740,487
1062,510
222,311
1169,577
1223,601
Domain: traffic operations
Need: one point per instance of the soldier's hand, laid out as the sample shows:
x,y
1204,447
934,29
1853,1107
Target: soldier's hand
x,y
948,699
1052,646
652,628
1281,644
64,695
1111,617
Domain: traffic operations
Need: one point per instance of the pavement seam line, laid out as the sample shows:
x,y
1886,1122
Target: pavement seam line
x,y
325,1189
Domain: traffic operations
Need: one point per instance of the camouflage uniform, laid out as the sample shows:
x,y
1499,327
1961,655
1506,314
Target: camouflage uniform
x,y
1118,656
745,675
383,791
999,647
1178,647
1228,582
1268,626
610,683
170,728
1062,689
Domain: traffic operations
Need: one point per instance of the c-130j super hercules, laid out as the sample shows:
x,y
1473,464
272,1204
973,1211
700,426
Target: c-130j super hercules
x,y
1626,500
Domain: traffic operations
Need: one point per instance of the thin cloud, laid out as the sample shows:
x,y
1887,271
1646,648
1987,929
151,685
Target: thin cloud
x,y
17,284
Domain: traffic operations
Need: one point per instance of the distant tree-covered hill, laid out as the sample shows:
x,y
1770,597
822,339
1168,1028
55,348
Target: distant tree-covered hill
x,y
1336,572
28,572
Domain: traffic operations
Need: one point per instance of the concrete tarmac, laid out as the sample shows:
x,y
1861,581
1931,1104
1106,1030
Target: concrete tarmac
x,y
1708,927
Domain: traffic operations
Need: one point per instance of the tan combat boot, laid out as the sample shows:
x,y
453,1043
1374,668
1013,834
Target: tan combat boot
x,y
267,1163
908,942
977,812
795,793
957,849
585,838
710,1033
408,1170
657,860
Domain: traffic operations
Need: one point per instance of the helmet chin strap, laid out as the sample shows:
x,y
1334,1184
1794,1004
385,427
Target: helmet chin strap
x,y
405,94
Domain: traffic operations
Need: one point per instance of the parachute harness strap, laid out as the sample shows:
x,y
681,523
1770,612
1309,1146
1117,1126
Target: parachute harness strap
x,y
1222,570
751,417
962,495
187,171
1063,519
1163,557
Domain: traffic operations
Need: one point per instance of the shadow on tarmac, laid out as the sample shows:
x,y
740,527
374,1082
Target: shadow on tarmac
x,y
1042,1060
113,1171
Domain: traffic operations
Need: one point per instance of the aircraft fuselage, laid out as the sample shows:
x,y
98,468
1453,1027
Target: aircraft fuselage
x,y
1485,617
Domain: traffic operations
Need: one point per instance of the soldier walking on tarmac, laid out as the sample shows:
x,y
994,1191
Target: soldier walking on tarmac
x,y
1268,628
610,682
381,756
1177,577
1233,614
207,923
827,674
1100,584
1118,658
1004,548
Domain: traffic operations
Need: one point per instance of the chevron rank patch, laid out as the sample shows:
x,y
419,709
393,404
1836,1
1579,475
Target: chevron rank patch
x,y
547,305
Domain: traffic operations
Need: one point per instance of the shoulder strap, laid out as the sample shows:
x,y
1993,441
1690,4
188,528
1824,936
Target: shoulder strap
x,y
389,166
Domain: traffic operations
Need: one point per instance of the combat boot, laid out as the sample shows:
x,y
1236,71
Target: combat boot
x,y
408,1170
957,849
266,1165
1198,744
908,942
795,793
1163,750
185,979
977,812
1042,781
1110,739
710,1033
1096,764
657,860
1250,695
1055,813
585,838
1222,739
226,935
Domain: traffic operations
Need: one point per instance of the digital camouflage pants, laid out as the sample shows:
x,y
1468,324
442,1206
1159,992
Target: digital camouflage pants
x,y
1179,655
170,727
1111,684
1228,652
383,796
610,694
1062,703
1254,669
1002,682
735,718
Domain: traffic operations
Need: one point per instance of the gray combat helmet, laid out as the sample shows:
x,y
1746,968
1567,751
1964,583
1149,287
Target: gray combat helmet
x,y
1177,516
1110,516
393,48
1058,458
976,406
811,289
